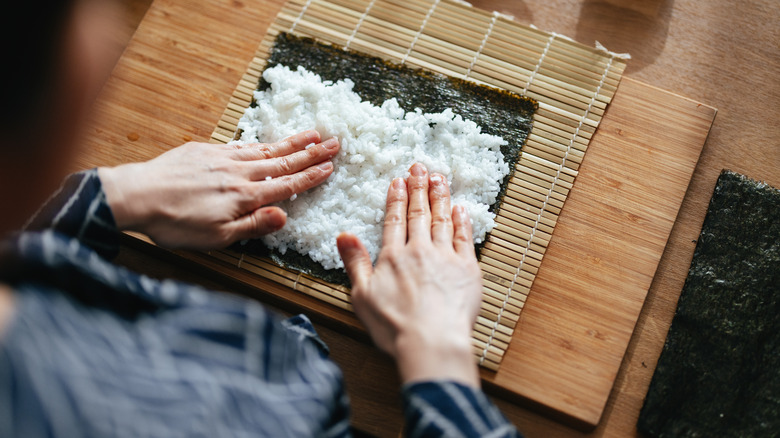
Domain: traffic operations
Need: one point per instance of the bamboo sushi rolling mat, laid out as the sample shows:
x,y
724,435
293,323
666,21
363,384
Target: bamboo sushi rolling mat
x,y
572,83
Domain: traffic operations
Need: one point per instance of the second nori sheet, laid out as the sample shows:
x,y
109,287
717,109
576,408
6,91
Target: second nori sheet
x,y
719,372
498,112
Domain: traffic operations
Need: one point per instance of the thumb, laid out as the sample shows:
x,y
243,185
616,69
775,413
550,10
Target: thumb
x,y
260,222
356,259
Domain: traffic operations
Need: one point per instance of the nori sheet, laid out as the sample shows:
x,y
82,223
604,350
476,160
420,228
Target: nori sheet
x,y
719,371
497,111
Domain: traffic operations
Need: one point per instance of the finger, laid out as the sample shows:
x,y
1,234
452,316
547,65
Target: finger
x,y
394,232
419,214
279,189
264,151
356,259
463,240
295,162
300,140
441,212
258,223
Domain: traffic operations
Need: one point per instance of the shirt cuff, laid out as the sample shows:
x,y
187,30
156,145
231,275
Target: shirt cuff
x,y
447,408
79,210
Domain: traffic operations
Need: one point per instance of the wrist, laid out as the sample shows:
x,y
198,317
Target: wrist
x,y
422,357
120,185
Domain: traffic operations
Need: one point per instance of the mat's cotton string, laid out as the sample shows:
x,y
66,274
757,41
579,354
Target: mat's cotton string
x,y
419,32
544,206
482,45
303,11
295,285
539,64
359,23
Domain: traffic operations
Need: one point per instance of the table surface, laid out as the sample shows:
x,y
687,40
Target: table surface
x,y
707,51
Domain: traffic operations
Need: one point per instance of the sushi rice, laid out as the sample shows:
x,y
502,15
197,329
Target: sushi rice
x,y
378,143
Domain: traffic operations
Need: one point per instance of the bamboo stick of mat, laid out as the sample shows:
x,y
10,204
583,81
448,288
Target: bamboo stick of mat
x,y
573,84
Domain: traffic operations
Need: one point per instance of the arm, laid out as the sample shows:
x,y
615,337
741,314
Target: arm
x,y
420,303
195,196
79,209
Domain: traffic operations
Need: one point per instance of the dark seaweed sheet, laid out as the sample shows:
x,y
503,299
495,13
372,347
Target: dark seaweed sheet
x,y
719,372
498,112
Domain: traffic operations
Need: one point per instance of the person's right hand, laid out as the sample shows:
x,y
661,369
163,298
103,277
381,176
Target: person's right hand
x,y
420,302
204,196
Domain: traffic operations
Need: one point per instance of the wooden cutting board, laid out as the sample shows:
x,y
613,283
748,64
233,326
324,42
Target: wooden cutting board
x,y
174,81
590,289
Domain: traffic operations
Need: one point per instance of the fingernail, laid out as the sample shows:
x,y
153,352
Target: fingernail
x,y
418,169
437,179
326,166
331,144
399,184
276,219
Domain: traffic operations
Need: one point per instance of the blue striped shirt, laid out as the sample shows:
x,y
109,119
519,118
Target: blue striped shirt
x,y
96,350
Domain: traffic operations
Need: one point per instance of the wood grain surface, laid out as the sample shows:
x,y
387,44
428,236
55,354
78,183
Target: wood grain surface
x,y
683,46
591,286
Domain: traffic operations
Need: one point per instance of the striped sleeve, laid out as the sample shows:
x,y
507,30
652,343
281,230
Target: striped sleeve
x,y
96,350
449,409
79,209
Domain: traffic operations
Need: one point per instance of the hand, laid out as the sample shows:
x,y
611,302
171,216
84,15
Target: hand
x,y
420,302
202,196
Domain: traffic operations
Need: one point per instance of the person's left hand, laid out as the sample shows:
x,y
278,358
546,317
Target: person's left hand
x,y
203,196
419,303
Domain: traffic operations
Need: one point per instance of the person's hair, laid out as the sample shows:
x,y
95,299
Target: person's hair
x,y
31,34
